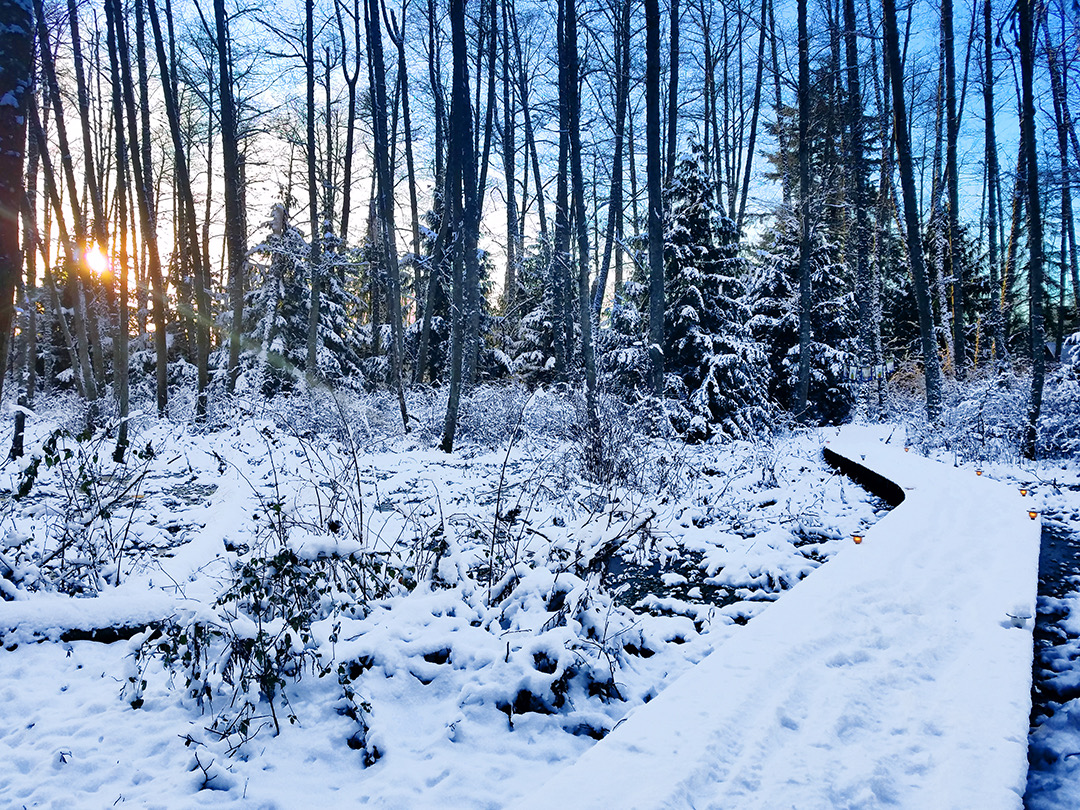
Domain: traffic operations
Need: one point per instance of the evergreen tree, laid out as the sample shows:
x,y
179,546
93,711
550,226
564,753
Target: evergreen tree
x,y
277,313
708,347
834,314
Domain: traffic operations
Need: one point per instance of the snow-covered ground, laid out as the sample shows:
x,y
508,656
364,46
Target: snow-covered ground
x,y
369,587
899,675
441,631
1054,782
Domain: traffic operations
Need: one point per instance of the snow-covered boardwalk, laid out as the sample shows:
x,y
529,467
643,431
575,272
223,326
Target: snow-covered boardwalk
x,y
897,675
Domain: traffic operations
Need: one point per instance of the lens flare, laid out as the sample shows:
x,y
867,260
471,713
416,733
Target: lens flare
x,y
97,262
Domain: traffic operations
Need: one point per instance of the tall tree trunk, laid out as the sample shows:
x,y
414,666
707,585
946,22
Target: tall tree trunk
x,y
16,60
886,195
858,245
235,237
803,392
328,184
397,36
615,196
27,362
708,86
143,171
315,251
1064,125
97,229
474,298
509,149
530,136
123,321
435,80
656,201
562,295
753,120
351,77
1035,232
577,182
778,104
992,183
931,367
461,144
385,202
673,94
1013,250
955,263
190,234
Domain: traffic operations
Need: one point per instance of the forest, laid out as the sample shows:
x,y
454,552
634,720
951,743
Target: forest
x,y
416,389
724,215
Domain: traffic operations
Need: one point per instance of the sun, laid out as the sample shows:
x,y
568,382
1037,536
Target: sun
x,y
97,262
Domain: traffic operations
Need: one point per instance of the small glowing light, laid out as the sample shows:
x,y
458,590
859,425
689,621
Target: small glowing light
x,y
97,262
1033,514
857,538
907,449
1023,491
978,472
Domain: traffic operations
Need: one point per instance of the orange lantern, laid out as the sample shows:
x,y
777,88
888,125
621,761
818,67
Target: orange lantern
x,y
857,538
1023,491
1033,514
978,472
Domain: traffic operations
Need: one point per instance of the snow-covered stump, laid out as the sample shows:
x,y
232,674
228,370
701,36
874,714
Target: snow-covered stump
x,y
898,674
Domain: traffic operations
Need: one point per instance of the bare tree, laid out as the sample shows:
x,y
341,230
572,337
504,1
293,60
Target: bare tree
x,y
189,235
992,182
16,59
385,199
464,206
1035,232
656,201
235,237
673,93
315,251
931,367
123,321
954,265
803,390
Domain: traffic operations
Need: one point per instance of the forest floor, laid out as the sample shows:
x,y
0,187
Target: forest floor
x,y
430,629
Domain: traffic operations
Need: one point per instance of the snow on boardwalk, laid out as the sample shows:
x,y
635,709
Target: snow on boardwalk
x,y
897,675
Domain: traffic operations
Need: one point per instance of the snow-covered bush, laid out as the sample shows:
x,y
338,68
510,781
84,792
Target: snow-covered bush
x,y
80,501
240,664
1059,425
982,419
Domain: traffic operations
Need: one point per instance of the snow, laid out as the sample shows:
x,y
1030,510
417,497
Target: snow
x,y
473,693
1055,745
897,675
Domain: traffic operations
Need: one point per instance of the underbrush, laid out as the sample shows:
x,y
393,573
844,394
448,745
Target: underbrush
x,y
985,418
537,580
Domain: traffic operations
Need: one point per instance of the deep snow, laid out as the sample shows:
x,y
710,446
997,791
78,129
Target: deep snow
x,y
898,675
466,613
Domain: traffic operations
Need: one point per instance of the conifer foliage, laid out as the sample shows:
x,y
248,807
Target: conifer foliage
x,y
833,317
717,366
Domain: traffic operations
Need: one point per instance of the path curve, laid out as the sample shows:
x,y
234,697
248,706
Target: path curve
x,y
898,675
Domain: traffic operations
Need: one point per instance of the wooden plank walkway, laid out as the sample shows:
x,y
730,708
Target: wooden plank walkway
x,y
897,675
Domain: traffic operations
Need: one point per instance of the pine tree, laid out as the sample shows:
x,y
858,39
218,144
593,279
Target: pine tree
x,y
708,347
277,315
833,315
